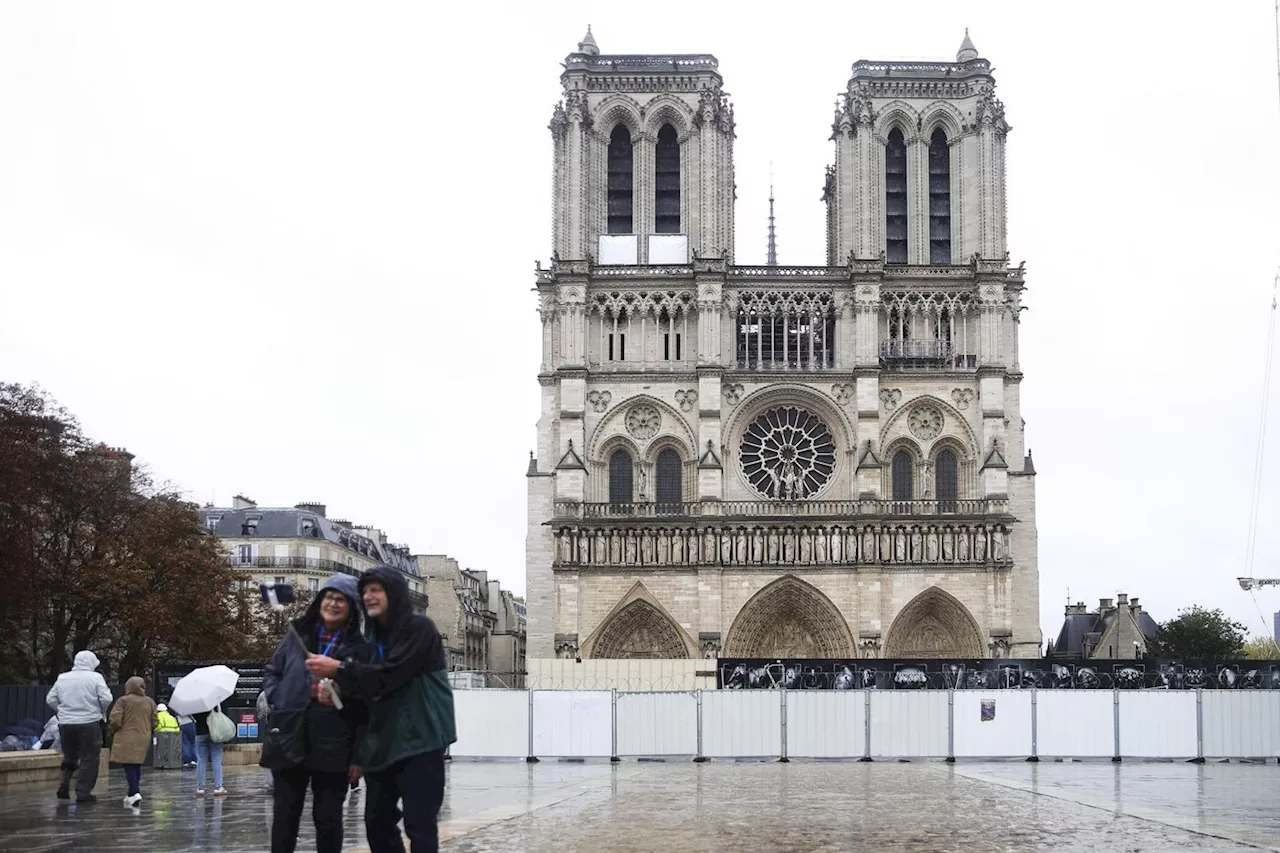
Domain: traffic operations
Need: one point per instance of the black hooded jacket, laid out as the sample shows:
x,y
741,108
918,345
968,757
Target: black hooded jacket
x,y
329,738
404,680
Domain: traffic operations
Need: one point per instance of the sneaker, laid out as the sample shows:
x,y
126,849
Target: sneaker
x,y
219,792
200,792
133,799
64,793
86,798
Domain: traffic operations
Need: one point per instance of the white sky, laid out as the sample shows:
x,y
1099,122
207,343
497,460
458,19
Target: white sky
x,y
287,248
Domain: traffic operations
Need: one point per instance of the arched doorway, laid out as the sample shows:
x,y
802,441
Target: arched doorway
x,y
638,629
934,624
789,619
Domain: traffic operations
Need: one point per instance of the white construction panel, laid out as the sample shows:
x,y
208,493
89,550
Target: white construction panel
x,y
1075,724
491,724
908,723
742,723
1158,723
668,249
657,724
619,249
992,723
572,723
1241,723
826,724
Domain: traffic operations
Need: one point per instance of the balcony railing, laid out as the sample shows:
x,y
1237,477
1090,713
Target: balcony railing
x,y
924,354
307,563
567,510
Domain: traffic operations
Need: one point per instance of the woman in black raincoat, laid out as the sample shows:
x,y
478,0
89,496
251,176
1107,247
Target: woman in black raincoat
x,y
308,742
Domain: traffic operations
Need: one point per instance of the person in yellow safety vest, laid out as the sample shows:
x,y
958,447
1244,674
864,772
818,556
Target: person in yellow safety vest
x,y
166,722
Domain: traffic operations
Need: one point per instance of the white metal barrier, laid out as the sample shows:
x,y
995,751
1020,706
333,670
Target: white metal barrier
x,y
868,724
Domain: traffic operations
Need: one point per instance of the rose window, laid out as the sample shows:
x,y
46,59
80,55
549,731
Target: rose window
x,y
787,454
925,422
643,421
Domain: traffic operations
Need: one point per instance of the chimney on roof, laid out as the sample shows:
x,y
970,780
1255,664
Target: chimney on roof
x,y
1122,598
1104,604
315,509
1134,605
241,502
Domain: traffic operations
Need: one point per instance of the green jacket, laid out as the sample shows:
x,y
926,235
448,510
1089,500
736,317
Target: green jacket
x,y
405,684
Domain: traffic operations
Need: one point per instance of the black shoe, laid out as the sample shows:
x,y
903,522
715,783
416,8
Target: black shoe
x,y
63,793
86,798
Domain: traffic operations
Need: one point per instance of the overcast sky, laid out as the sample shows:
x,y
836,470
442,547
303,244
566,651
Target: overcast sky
x,y
286,249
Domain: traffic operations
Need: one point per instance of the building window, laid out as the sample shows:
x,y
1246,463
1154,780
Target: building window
x,y
948,480
246,555
313,584
621,474
620,180
211,522
895,198
939,198
279,580
902,463
670,486
666,219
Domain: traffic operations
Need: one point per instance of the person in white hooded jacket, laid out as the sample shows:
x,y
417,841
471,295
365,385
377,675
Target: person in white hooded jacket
x,y
81,699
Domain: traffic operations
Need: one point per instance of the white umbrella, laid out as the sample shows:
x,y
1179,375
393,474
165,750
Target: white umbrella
x,y
203,689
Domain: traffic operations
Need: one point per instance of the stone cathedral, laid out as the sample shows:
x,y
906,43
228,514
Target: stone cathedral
x,y
780,461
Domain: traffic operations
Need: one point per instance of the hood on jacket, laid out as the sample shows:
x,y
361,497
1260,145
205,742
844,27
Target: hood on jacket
x,y
136,685
399,610
345,584
85,661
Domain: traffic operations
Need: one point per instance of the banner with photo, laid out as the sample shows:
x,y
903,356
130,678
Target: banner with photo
x,y
997,673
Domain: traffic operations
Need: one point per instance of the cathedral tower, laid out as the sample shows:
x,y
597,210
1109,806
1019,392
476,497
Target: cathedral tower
x,y
779,461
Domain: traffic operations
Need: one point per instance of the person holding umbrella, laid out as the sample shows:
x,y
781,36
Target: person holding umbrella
x,y
406,686
310,741
199,694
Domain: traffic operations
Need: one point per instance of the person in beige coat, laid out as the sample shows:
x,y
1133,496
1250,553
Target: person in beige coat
x,y
132,720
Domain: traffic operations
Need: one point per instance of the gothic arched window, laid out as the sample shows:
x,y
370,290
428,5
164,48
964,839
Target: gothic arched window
x,y
620,180
948,480
939,198
895,198
666,173
669,489
901,468
621,477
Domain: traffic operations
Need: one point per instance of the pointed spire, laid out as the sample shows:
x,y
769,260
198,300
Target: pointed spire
x,y
967,50
771,258
588,44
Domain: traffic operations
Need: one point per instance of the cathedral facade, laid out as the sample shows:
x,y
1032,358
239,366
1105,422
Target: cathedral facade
x,y
779,461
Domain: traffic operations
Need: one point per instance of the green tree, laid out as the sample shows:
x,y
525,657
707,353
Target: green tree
x,y
1197,632
1261,648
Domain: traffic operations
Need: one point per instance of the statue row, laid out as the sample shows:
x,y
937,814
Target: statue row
x,y
768,545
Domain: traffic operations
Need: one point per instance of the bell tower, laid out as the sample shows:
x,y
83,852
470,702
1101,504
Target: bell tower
x,y
643,159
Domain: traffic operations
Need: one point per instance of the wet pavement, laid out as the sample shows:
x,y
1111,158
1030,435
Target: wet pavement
x,y
719,806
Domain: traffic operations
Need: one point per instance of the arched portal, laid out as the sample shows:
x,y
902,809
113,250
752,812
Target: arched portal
x,y
789,619
639,630
934,624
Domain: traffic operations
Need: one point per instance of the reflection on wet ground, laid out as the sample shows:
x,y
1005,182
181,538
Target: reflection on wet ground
x,y
720,806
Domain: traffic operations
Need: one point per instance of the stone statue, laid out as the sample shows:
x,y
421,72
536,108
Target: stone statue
x,y
646,547
644,481
774,545
788,482
726,546
740,546
820,546
962,545
615,547
917,545
629,557
900,546
757,545
999,546
948,546
980,544
926,479
886,544
709,546
931,547
806,546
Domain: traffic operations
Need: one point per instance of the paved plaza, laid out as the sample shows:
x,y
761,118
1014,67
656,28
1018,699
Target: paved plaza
x,y
722,806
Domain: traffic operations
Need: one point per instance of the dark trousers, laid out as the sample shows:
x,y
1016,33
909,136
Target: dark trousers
x,y
133,777
419,781
328,791
188,743
81,744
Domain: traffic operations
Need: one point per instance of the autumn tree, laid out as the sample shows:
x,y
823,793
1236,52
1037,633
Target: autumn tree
x,y
94,556
1197,632
1261,648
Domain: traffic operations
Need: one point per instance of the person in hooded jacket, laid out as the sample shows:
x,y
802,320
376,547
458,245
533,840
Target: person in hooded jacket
x,y
81,698
132,720
405,683
311,742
